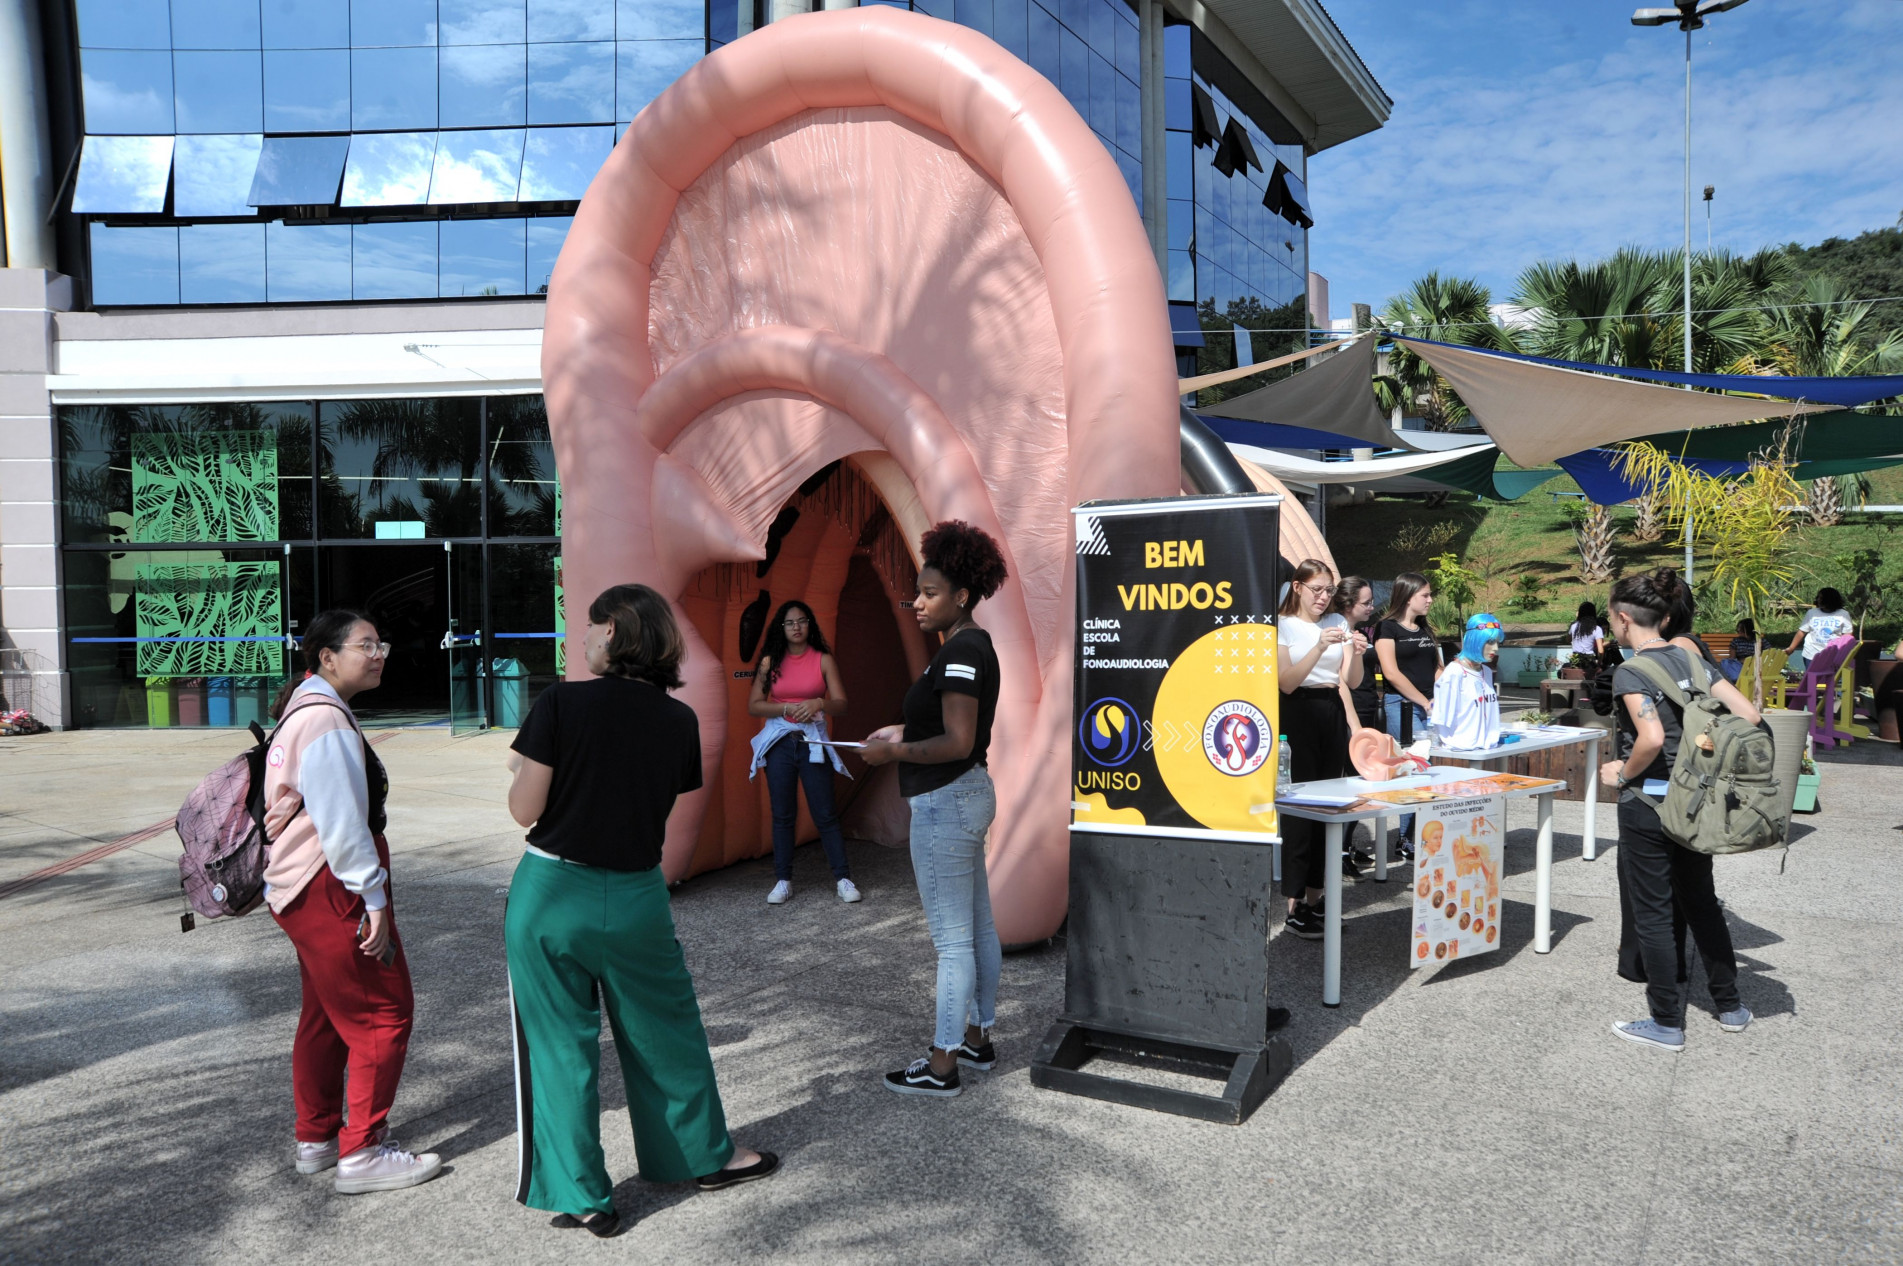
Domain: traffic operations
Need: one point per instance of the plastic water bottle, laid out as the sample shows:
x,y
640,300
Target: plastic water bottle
x,y
1283,766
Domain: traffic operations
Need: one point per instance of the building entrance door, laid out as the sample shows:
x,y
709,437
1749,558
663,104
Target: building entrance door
x,y
404,589
469,686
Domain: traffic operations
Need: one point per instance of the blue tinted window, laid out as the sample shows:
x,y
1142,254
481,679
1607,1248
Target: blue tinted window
x,y
126,91
476,167
571,83
644,69
1129,53
125,24
1182,278
1180,162
975,14
219,92
123,174
935,8
551,20
221,263
1103,97
212,175
392,88
298,171
134,265
393,261
480,21
560,161
1132,168
1176,106
1103,29
1176,52
1129,115
1046,44
1076,78
214,23
306,23
484,85
723,19
1075,14
481,257
660,20
1008,27
1182,223
545,243
389,169
392,23
307,90
307,263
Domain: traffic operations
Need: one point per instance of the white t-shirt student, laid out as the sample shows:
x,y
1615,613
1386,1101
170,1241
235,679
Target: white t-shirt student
x,y
1466,707
1821,628
1299,638
1586,640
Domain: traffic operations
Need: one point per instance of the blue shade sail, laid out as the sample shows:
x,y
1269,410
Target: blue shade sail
x,y
307,90
476,167
393,261
482,257
644,69
560,162
221,263
125,24
306,23
392,23
307,263
553,20
215,24
126,91
123,174
212,175
571,83
392,88
296,171
660,20
480,21
389,169
483,85
220,92
545,236
134,265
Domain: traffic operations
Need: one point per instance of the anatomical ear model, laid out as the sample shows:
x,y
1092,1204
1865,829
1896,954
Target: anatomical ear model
x,y
866,235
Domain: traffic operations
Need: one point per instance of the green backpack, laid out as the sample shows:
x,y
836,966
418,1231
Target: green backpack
x,y
1723,796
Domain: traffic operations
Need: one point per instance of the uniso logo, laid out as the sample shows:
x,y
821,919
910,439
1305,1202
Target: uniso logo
x,y
1110,732
1235,738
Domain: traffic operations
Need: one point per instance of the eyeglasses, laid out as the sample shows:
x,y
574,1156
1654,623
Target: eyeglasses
x,y
1317,590
372,650
795,623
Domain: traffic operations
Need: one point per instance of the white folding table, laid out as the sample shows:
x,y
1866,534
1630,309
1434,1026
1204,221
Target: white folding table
x,y
1536,740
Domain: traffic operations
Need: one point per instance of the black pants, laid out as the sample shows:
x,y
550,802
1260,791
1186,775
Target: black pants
x,y
1317,729
1664,891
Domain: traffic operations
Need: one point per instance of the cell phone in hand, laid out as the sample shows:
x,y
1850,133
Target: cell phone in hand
x,y
388,955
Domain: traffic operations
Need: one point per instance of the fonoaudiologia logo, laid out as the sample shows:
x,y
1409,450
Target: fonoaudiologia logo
x,y
1235,738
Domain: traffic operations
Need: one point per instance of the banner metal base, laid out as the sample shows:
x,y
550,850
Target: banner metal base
x,y
1248,1076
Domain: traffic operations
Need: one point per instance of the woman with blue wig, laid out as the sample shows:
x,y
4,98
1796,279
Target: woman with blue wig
x,y
1466,703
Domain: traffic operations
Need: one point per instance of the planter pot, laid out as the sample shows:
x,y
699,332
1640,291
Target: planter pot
x,y
1572,674
1789,730
1807,785
1531,677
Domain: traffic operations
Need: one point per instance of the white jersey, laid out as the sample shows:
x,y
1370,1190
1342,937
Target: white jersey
x,y
1466,707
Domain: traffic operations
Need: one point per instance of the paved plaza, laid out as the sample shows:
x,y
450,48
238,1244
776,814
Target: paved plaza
x,y
1482,1113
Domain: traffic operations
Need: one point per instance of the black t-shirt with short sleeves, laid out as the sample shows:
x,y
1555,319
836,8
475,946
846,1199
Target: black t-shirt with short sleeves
x,y
622,750
965,665
1415,653
1627,680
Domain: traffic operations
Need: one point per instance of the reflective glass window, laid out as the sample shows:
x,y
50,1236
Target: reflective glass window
x,y
522,604
1182,277
307,90
307,263
521,474
1176,105
215,24
1129,114
480,21
1076,16
390,169
723,19
392,88
219,92
476,167
212,175
1103,97
545,235
221,263
1129,56
123,174
644,69
393,261
126,91
400,459
1009,27
134,265
306,23
975,14
1076,77
1132,168
560,161
1182,224
1103,29
1176,51
483,85
1045,44
1179,157
660,20
298,171
941,9
571,83
392,23
482,257
553,20
125,24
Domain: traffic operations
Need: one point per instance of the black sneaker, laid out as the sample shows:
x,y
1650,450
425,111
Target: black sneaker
x,y
917,1078
1305,922
981,1057
1349,869
1406,849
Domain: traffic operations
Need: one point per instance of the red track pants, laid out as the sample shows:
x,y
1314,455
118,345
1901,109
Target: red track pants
x,y
356,1016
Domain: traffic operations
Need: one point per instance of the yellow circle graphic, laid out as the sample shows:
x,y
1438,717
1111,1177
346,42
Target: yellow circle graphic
x,y
1231,664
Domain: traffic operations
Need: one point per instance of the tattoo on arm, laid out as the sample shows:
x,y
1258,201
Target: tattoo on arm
x,y
1646,710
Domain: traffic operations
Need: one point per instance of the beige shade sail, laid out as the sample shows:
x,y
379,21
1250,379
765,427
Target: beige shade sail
x,y
1335,395
1309,471
1298,538
1186,385
1537,413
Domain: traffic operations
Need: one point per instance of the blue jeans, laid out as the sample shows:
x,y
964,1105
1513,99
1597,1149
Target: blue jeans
x,y
948,860
1395,702
788,765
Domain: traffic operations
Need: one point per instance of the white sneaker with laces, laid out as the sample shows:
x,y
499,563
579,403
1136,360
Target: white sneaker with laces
x,y
385,1167
849,891
315,1158
781,891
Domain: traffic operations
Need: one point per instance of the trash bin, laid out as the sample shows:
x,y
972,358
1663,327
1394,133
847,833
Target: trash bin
x,y
512,693
191,701
247,700
158,702
218,702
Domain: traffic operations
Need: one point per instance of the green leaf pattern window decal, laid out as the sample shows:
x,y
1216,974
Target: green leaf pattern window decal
x,y
209,600
205,486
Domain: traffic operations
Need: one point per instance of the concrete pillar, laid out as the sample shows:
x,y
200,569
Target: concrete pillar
x,y
1155,162
26,153
839,4
32,647
777,9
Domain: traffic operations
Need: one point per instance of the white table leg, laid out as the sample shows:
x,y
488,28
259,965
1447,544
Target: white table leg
x,y
1543,879
1331,922
1275,852
1592,797
1380,826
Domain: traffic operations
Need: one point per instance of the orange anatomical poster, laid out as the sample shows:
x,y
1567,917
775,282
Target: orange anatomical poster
x,y
1457,872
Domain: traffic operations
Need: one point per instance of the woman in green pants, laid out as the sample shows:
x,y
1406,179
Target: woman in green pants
x,y
598,765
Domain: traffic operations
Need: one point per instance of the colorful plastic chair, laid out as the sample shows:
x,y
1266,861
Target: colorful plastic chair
x,y
1847,697
1774,684
1817,694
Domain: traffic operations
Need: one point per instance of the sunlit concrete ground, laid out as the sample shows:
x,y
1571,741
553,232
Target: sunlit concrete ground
x,y
1481,1114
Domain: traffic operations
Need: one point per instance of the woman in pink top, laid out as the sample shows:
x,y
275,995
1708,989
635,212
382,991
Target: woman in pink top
x,y
795,688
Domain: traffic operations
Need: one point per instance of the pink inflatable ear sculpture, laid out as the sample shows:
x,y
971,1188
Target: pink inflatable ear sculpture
x,y
868,266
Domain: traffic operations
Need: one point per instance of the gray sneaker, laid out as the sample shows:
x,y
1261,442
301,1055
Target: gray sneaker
x,y
1735,1021
315,1158
385,1167
1651,1033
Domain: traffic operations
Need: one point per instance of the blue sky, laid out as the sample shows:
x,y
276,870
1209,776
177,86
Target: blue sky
x,y
1528,129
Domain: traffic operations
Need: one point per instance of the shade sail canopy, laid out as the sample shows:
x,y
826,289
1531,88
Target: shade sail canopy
x,y
1821,437
1479,472
1335,395
1275,435
1310,471
1538,413
1599,471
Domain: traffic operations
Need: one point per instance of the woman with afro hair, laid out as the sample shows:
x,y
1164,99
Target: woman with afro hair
x,y
940,750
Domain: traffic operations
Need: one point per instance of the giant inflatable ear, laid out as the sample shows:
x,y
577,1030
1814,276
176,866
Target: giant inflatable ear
x,y
872,238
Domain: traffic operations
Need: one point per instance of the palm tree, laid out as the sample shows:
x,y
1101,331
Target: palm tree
x,y
1445,310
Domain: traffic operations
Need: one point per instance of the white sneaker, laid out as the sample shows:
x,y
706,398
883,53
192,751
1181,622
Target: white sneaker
x,y
849,891
385,1167
315,1158
781,891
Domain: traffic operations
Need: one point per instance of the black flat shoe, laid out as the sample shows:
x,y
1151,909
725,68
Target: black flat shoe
x,y
601,1225
767,1163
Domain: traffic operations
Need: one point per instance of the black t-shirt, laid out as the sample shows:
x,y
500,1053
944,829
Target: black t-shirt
x,y
1627,680
1363,694
965,665
1415,653
622,750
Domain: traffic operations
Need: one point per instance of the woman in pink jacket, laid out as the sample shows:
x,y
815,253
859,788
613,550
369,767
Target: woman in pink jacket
x,y
327,883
